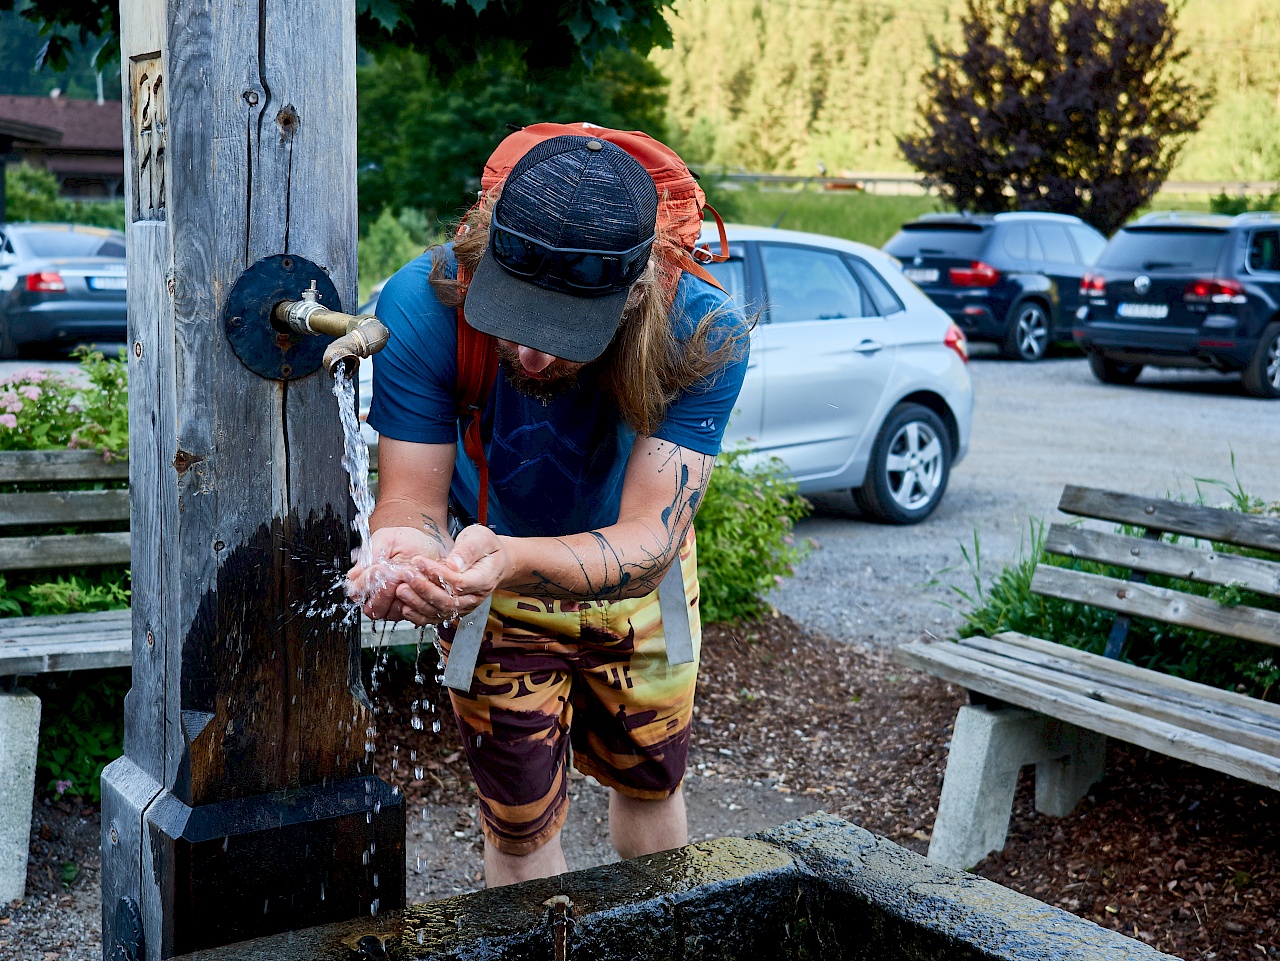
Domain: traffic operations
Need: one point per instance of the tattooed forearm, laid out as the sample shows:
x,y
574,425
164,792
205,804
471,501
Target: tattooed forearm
x,y
630,558
433,531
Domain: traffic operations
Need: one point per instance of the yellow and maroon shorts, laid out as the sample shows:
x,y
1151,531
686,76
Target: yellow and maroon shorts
x,y
591,674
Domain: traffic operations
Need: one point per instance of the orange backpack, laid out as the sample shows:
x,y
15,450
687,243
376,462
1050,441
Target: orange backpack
x,y
680,208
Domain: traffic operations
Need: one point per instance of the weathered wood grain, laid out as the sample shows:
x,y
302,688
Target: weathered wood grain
x,y
63,550
1130,677
1162,604
948,662
63,507
23,466
1157,557
1210,523
1226,728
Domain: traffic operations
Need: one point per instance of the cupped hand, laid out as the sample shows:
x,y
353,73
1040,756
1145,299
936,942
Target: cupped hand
x,y
395,551
459,583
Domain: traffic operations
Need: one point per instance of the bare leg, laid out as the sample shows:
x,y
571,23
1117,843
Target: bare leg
x,y
643,827
499,868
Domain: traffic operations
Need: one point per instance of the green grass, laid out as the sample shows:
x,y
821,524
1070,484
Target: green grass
x,y
868,218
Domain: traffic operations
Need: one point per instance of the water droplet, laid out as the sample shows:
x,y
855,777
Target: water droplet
x,y
416,724
364,857
417,773
373,908
422,935
375,879
435,726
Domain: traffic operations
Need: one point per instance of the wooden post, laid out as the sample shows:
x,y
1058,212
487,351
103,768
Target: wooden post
x,y
245,802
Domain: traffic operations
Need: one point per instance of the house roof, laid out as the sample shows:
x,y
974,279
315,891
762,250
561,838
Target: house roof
x,y
84,124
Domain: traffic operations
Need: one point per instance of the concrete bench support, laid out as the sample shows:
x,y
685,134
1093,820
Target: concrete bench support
x,y
988,748
19,737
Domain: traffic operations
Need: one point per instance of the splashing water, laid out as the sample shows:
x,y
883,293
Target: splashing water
x,y
355,458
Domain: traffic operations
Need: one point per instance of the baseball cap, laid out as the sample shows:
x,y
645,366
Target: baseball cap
x,y
570,233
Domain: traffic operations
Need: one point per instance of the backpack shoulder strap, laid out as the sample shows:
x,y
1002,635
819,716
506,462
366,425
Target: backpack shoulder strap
x,y
477,369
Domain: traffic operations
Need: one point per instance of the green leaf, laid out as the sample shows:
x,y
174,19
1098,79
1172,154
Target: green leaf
x,y
385,12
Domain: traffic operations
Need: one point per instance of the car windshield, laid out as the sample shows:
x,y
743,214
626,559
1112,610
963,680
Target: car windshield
x,y
962,240
71,243
1192,250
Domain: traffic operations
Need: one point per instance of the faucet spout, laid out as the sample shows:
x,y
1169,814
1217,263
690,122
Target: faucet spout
x,y
358,335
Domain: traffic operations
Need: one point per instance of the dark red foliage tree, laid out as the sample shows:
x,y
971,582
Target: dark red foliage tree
x,y
1074,106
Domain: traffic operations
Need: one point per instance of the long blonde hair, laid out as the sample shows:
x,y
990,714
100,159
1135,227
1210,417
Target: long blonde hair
x,y
646,366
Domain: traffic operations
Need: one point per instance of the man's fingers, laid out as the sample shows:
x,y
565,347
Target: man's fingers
x,y
472,544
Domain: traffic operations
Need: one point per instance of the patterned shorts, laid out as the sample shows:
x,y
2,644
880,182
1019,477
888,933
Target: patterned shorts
x,y
591,674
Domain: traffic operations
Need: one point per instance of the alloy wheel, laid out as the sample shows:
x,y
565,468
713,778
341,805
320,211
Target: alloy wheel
x,y
1271,369
915,465
1032,332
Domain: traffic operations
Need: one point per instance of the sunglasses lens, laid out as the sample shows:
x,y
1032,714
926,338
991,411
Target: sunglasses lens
x,y
589,271
517,254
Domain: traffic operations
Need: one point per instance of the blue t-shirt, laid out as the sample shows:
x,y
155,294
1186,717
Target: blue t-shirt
x,y
554,468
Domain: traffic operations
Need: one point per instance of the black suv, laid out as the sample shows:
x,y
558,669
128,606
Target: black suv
x,y
1179,289
1009,278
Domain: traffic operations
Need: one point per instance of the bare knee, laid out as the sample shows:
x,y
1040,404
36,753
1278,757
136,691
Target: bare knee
x,y
543,862
640,826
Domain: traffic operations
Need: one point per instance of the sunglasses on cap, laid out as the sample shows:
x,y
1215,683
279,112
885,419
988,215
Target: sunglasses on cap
x,y
589,271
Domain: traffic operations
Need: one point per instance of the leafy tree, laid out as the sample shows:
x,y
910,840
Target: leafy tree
x,y
423,141
32,194
1077,106
449,32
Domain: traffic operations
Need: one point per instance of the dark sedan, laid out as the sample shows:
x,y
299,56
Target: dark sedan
x,y
60,285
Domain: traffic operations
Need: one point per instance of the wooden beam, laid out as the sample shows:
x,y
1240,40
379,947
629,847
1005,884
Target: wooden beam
x,y
22,466
1209,523
949,662
1226,728
1157,557
63,550
1161,604
1130,677
63,507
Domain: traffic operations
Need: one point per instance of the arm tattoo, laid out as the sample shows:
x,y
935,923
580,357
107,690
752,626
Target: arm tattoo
x,y
432,530
607,574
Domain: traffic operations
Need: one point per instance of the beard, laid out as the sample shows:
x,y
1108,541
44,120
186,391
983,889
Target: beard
x,y
552,382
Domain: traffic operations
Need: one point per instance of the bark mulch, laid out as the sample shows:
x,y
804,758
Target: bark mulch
x,y
1175,855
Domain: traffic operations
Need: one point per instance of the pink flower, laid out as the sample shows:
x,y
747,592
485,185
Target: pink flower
x,y
8,420
62,786
30,392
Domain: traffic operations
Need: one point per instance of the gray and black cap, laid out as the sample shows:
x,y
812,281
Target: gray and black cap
x,y
571,233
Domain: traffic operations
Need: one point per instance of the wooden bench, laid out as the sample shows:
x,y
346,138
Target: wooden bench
x,y
1041,703
71,642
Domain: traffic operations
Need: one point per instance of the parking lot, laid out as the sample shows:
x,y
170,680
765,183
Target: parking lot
x,y
1036,427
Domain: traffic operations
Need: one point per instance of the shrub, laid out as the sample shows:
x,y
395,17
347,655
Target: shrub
x,y
32,194
41,410
81,730
1007,604
389,244
745,545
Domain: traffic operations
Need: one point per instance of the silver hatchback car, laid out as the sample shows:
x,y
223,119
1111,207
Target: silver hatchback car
x,y
857,380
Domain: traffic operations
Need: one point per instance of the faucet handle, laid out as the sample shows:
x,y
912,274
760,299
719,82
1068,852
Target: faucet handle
x,y
311,295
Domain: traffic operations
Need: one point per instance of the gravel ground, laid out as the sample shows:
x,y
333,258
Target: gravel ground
x,y
1036,428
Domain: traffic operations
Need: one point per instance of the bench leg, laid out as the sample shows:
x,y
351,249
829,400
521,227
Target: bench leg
x,y
1061,782
988,748
19,738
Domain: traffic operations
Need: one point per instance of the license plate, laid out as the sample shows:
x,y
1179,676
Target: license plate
x,y
112,282
1143,311
920,276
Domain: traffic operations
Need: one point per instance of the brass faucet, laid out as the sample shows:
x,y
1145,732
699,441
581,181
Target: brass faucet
x,y
358,335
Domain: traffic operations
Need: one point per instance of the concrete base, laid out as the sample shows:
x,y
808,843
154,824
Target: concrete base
x,y
19,739
988,748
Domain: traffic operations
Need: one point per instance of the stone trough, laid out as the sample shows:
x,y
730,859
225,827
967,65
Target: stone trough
x,y
815,888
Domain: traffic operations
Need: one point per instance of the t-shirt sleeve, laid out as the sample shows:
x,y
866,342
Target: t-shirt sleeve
x,y
415,373
698,416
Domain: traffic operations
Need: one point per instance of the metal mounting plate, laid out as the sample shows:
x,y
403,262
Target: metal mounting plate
x,y
246,317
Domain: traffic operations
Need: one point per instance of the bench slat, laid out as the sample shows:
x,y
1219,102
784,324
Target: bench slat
x,y
1159,603
1157,557
63,550
1219,726
59,465
1210,523
1140,680
64,507
78,642
1201,749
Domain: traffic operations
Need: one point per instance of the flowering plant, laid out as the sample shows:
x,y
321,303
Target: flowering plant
x,y
88,408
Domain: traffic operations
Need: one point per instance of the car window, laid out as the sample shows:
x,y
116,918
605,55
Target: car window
x,y
70,243
1089,243
731,274
1177,249
1264,250
806,284
1021,244
961,240
1055,243
882,296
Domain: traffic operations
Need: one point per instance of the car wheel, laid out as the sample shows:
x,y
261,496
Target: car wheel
x,y
909,469
1113,371
1028,337
1262,375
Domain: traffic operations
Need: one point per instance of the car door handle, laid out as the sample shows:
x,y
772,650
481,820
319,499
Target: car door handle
x,y
868,347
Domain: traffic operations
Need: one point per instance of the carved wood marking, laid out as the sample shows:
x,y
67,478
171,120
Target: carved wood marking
x,y
146,85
